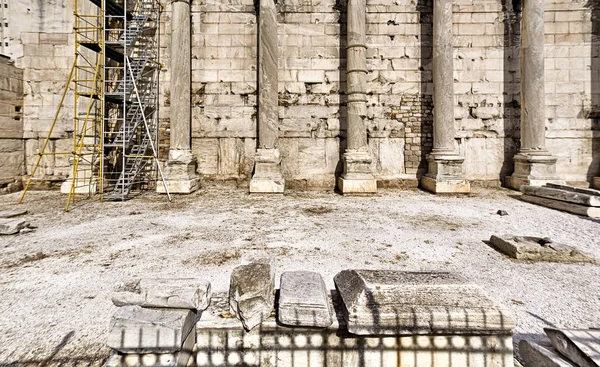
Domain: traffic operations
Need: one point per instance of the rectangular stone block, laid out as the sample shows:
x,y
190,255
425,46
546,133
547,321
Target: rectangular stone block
x,y
537,249
391,302
134,329
562,195
178,293
581,346
542,354
303,300
592,212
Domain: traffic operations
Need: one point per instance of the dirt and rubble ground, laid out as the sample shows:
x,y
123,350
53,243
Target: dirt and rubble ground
x,y
56,282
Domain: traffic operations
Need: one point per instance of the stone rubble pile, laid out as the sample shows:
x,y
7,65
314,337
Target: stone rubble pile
x,y
563,348
571,199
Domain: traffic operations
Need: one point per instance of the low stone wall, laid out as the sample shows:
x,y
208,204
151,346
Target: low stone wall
x,y
12,149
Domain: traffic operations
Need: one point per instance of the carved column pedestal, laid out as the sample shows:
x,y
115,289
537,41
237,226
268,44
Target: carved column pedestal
x,y
357,177
267,176
445,175
180,173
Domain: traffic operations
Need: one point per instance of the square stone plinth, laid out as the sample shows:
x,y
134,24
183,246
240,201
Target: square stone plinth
x,y
388,302
185,186
134,329
441,186
537,249
267,186
222,341
303,300
357,186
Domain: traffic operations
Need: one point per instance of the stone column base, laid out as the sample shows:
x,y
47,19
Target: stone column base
x,y
596,183
180,173
357,178
445,175
267,178
533,170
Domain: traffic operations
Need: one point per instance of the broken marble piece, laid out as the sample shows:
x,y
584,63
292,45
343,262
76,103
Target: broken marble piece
x,y
388,302
185,293
303,300
134,329
557,193
542,354
581,346
537,249
252,293
12,226
12,213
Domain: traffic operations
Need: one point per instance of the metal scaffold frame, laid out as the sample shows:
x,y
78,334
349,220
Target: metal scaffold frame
x,y
114,81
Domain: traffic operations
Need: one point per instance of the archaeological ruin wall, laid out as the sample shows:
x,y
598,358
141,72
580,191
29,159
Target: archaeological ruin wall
x,y
12,152
312,87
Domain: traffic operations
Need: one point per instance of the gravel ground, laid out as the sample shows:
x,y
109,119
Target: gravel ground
x,y
56,282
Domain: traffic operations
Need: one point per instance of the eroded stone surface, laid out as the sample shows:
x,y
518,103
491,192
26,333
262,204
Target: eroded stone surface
x,y
12,226
570,196
185,293
252,293
542,354
581,346
12,213
537,249
589,211
303,300
388,302
134,329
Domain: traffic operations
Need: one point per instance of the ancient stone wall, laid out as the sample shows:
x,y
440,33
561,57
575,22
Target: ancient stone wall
x,y
12,153
312,87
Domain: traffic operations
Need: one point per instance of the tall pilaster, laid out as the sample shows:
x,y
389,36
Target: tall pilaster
x,y
534,165
445,164
267,176
357,177
180,170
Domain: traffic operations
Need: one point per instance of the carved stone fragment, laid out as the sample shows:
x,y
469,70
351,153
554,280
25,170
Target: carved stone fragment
x,y
252,293
303,300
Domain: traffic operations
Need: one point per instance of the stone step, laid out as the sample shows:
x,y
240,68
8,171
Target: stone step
x,y
581,346
303,300
592,212
389,302
570,196
542,354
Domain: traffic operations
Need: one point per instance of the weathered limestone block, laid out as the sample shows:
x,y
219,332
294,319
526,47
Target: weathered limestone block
x,y
581,190
581,346
134,329
12,213
541,354
537,249
12,226
184,293
252,293
562,195
391,302
267,176
592,212
303,300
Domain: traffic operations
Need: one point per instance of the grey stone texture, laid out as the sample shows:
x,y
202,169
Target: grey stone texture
x,y
12,225
537,249
391,302
134,329
542,354
252,293
12,147
581,346
303,300
12,213
563,195
588,211
178,293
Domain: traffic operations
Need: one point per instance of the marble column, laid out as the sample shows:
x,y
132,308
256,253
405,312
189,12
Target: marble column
x,y
357,177
445,173
534,165
267,177
180,170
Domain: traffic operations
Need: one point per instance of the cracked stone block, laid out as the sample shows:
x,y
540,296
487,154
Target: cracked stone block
x,y
303,300
537,249
581,346
12,226
252,293
134,329
184,293
388,302
542,354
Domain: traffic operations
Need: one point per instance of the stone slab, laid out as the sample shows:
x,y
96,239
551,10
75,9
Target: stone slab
x,y
303,300
388,302
12,213
12,226
252,293
541,354
178,186
581,190
562,195
184,357
537,249
273,344
445,186
591,212
357,186
134,329
581,346
267,186
184,293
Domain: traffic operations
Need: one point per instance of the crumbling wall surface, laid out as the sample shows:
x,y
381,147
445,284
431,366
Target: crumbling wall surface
x,y
12,153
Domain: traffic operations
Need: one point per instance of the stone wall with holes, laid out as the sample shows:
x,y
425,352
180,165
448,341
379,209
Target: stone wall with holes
x,y
12,153
312,115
